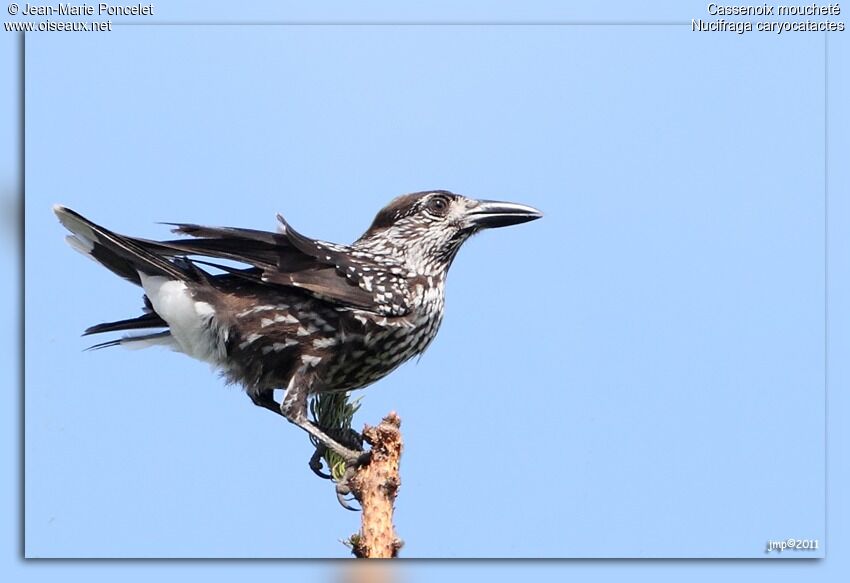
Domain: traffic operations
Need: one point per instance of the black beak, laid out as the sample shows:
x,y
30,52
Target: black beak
x,y
493,213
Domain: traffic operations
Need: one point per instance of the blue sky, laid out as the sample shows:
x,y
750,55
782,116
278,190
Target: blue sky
x,y
639,374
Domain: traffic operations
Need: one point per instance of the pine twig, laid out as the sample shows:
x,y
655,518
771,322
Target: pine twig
x,y
375,486
334,412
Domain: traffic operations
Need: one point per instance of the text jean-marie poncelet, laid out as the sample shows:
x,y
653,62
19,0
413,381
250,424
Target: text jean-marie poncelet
x,y
101,9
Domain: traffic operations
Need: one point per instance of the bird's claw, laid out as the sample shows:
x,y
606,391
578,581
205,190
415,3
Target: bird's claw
x,y
316,462
352,451
341,493
354,459
343,487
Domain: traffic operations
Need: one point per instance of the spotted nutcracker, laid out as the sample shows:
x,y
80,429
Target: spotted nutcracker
x,y
304,315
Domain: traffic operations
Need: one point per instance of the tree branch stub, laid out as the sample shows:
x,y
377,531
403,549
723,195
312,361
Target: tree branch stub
x,y
375,486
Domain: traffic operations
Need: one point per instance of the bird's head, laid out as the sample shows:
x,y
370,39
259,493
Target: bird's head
x,y
426,229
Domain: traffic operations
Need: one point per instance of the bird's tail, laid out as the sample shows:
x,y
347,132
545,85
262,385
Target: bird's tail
x,y
124,256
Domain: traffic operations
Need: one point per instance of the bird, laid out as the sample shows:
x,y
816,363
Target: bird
x,y
295,313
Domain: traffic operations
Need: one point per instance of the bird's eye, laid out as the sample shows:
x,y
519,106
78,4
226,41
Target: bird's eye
x,y
438,205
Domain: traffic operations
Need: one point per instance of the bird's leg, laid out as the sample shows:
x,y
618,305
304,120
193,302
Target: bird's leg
x,y
349,437
265,399
294,408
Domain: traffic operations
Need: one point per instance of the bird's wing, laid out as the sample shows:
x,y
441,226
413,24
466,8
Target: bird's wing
x,y
257,248
336,273
379,279
325,283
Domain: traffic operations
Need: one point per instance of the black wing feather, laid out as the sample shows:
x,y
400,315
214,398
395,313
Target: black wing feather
x,y
332,272
151,320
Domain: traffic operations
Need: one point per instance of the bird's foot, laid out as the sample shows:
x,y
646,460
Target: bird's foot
x,y
351,460
351,451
